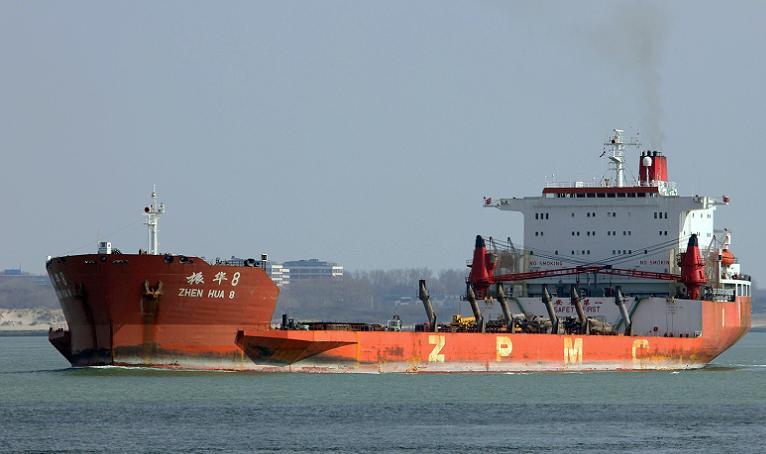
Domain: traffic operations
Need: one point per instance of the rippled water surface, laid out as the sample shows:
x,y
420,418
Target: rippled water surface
x,y
47,406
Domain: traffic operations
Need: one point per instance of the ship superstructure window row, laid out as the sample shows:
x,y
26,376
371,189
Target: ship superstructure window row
x,y
600,195
660,215
542,216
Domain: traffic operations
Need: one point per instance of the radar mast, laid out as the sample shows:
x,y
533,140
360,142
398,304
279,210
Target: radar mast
x,y
617,158
153,213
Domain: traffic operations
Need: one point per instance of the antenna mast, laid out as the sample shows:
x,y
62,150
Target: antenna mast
x,y
153,213
617,158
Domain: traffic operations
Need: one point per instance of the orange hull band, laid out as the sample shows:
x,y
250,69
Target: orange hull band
x,y
724,324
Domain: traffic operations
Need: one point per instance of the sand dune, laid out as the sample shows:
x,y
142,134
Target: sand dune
x,y
30,319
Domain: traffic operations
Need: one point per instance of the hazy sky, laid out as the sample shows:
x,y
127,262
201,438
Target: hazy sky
x,y
365,133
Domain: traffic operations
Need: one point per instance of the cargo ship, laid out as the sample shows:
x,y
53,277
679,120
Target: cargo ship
x,y
612,275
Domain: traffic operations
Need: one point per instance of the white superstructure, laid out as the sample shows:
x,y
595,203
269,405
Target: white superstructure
x,y
641,225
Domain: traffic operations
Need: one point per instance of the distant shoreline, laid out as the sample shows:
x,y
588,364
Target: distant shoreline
x,y
36,322
23,333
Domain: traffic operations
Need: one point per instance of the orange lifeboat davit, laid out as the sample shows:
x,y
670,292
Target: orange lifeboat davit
x,y
727,257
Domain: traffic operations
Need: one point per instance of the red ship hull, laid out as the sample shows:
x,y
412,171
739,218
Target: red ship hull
x,y
155,310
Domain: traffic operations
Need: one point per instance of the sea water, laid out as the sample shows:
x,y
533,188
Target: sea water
x,y
47,406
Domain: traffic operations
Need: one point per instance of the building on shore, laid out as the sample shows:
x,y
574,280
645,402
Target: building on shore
x,y
277,272
283,273
18,275
313,269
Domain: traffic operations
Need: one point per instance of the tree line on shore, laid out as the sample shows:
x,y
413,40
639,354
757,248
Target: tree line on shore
x,y
365,296
369,296
360,295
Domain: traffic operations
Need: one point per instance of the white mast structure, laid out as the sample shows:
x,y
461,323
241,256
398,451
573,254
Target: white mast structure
x,y
153,213
617,158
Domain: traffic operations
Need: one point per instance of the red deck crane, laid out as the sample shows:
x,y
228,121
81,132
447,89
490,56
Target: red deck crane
x,y
482,277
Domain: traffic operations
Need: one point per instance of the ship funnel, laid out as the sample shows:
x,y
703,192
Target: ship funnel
x,y
652,167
